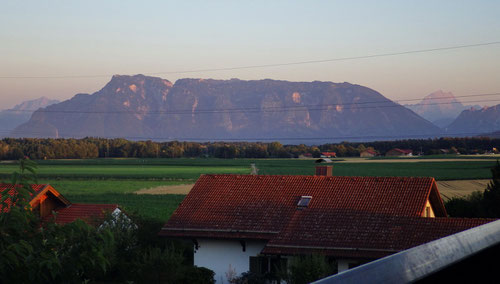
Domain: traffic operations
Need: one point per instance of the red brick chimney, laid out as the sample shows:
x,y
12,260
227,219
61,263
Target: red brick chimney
x,y
324,171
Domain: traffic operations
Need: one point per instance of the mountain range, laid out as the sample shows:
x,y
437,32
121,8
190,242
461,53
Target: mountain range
x,y
141,107
21,113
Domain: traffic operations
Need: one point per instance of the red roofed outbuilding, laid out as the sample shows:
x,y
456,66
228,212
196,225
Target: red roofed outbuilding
x,y
246,220
45,200
368,153
328,155
396,152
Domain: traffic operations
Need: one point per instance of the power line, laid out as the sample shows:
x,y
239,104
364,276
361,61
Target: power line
x,y
268,65
317,107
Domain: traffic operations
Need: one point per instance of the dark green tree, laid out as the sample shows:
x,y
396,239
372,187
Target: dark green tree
x,y
491,195
308,268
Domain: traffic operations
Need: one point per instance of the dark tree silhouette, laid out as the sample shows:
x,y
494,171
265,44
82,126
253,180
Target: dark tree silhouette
x,y
491,196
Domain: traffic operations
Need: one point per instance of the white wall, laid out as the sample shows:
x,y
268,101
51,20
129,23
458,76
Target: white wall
x,y
217,255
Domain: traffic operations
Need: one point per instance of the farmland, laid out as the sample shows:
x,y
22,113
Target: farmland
x,y
116,180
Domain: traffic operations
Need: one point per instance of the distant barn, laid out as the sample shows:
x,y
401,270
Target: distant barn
x,y
328,155
368,153
396,152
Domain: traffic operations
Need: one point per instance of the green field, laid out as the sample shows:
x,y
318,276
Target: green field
x,y
441,156
115,180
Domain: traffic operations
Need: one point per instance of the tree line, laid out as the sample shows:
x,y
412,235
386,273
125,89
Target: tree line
x,y
37,148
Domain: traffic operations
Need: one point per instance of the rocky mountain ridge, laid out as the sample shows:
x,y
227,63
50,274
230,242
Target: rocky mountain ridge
x,y
473,122
141,107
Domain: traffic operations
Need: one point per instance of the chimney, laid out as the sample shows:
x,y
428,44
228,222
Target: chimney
x,y
324,171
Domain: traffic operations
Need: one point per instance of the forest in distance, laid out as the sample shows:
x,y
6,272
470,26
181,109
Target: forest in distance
x,y
38,149
86,148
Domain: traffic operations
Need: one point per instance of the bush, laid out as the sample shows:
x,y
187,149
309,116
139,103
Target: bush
x,y
470,206
306,269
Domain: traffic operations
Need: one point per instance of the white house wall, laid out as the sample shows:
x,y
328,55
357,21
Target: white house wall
x,y
217,255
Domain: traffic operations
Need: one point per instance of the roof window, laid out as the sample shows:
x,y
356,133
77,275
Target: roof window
x,y
304,202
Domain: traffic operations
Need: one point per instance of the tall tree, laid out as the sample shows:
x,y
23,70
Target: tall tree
x,y
491,196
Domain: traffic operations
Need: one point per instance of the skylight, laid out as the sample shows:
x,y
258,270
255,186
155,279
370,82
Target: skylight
x,y
304,201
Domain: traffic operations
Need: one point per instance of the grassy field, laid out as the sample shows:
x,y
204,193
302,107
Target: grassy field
x,y
115,180
190,169
448,156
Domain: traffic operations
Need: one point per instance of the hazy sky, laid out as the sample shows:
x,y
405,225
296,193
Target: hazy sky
x,y
101,38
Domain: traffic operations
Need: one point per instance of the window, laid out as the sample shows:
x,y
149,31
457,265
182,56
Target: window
x,y
267,265
304,201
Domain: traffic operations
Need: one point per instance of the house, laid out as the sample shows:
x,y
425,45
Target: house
x,y
45,200
328,155
396,152
252,222
368,153
464,257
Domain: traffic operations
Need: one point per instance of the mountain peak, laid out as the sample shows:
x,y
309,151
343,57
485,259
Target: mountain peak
x,y
132,85
21,113
441,96
439,107
35,104
137,79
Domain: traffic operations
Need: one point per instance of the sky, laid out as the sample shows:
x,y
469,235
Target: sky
x,y
60,48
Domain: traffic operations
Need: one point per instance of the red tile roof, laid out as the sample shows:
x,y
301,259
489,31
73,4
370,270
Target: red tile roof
x,y
90,213
348,233
402,151
37,188
93,214
227,205
370,151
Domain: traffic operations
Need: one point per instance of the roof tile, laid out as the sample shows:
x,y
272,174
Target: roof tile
x,y
90,213
12,192
345,233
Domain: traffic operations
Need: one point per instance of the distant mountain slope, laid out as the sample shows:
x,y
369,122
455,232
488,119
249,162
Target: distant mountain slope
x,y
21,113
440,108
141,107
476,121
126,107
